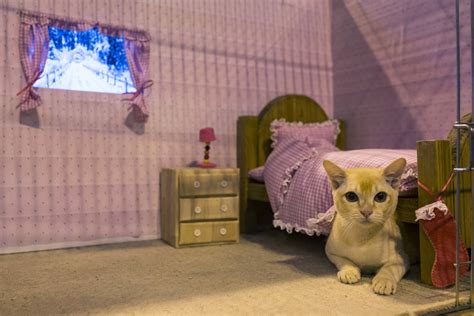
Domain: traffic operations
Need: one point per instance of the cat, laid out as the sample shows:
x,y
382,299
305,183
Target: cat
x,y
365,236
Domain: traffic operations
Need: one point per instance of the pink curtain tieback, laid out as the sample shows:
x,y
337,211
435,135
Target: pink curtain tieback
x,y
30,84
147,84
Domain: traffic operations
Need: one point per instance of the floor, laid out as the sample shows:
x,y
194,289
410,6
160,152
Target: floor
x,y
271,273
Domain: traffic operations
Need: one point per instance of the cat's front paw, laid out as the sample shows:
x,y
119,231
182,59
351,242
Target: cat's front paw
x,y
349,275
384,286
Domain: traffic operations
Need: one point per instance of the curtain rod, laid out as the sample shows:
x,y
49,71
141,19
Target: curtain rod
x,y
68,20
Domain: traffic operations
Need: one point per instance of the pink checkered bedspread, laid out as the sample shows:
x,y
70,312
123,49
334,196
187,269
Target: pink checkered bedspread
x,y
298,187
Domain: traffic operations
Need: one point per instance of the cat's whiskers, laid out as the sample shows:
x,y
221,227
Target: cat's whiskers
x,y
345,230
379,221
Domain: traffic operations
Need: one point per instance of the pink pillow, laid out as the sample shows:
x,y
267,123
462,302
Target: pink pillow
x,y
281,130
320,143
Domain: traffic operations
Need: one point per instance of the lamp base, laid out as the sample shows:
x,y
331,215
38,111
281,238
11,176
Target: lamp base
x,y
206,165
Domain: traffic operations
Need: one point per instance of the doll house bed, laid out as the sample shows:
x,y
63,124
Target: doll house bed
x,y
434,165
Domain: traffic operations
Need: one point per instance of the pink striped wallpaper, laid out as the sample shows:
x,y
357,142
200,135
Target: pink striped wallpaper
x,y
81,172
394,69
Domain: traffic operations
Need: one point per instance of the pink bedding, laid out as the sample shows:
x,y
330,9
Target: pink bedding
x,y
297,184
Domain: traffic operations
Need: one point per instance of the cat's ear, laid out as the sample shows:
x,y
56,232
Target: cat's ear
x,y
336,174
394,171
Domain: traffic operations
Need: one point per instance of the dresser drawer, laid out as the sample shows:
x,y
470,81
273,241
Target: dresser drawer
x,y
195,233
225,231
192,209
205,232
208,184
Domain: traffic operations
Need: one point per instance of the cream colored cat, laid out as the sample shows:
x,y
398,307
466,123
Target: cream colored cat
x,y
365,236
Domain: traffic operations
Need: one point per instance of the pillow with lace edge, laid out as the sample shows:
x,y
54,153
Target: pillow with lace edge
x,y
281,130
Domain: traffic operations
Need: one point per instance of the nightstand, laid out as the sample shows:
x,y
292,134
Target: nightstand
x,y
199,206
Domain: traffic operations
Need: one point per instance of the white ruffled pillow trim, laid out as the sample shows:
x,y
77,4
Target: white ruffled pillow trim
x,y
289,172
278,223
323,221
319,226
275,125
427,212
410,172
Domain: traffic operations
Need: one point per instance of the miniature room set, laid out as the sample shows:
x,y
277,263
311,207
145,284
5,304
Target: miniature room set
x,y
167,156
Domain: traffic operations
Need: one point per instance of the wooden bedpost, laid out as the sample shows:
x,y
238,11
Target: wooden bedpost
x,y
341,138
434,168
247,159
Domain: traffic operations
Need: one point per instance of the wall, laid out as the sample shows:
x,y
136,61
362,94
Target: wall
x,y
394,69
80,171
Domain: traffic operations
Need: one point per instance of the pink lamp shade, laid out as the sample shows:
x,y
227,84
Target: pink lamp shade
x,y
206,135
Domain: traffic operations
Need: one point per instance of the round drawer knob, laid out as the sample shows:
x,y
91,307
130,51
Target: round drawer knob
x,y
223,231
224,184
197,232
224,208
197,210
197,184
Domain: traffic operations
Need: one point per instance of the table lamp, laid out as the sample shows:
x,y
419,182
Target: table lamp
x,y
206,135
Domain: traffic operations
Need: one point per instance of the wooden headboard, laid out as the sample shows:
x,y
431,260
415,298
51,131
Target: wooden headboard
x,y
253,136
294,108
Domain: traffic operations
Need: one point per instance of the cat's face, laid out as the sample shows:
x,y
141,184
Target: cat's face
x,y
366,195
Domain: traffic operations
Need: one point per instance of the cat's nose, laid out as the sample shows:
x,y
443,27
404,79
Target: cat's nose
x,y
366,213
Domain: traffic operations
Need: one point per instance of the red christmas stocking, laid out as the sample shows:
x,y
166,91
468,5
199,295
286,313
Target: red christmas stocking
x,y
441,231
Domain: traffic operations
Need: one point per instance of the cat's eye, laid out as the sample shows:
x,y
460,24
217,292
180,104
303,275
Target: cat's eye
x,y
351,197
380,197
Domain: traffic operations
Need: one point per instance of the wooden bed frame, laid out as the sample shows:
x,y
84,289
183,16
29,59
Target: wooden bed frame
x,y
434,167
